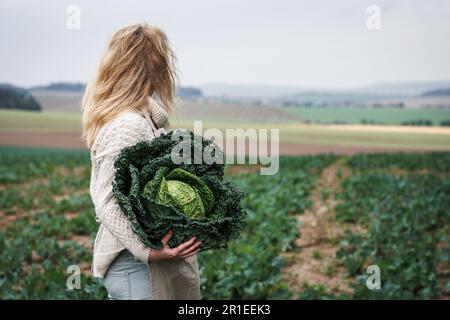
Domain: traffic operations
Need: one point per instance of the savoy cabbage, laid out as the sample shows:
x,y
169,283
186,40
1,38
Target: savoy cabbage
x,y
158,195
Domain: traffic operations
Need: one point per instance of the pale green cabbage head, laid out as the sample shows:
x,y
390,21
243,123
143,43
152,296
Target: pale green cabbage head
x,y
187,192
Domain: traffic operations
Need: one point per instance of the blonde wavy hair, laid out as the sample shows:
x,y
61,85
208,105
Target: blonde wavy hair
x,y
137,64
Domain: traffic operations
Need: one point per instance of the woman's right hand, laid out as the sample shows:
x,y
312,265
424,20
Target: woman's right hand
x,y
184,250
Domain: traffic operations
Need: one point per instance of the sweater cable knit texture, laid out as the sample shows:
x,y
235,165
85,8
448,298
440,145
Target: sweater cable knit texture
x,y
169,279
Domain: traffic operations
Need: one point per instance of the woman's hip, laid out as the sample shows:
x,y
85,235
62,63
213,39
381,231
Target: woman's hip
x,y
127,279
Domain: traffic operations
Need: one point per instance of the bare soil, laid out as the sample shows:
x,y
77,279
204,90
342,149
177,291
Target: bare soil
x,y
314,262
51,140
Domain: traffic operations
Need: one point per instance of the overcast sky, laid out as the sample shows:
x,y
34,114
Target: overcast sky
x,y
279,42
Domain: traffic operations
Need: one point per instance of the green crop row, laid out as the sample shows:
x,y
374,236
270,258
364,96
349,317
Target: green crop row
x,y
406,227
434,161
34,258
24,164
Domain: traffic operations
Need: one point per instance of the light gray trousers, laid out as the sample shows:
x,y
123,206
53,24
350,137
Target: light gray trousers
x,y
127,279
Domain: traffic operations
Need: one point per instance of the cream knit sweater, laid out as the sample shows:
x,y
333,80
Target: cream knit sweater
x,y
169,279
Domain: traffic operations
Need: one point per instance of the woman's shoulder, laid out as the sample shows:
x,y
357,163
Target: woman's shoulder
x,y
126,128
126,120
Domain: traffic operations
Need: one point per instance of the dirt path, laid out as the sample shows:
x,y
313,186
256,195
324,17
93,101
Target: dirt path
x,y
314,261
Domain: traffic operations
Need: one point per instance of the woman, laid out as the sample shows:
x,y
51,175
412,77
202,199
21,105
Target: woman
x,y
119,111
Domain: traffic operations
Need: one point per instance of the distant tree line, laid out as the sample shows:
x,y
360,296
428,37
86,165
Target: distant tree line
x,y
368,121
414,122
443,92
62,86
16,98
12,97
182,92
189,93
417,122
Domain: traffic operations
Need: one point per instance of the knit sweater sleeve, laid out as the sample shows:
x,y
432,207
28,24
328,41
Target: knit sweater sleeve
x,y
126,131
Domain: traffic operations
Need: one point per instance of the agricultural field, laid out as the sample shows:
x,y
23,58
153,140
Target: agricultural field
x,y
312,229
353,115
70,102
63,130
